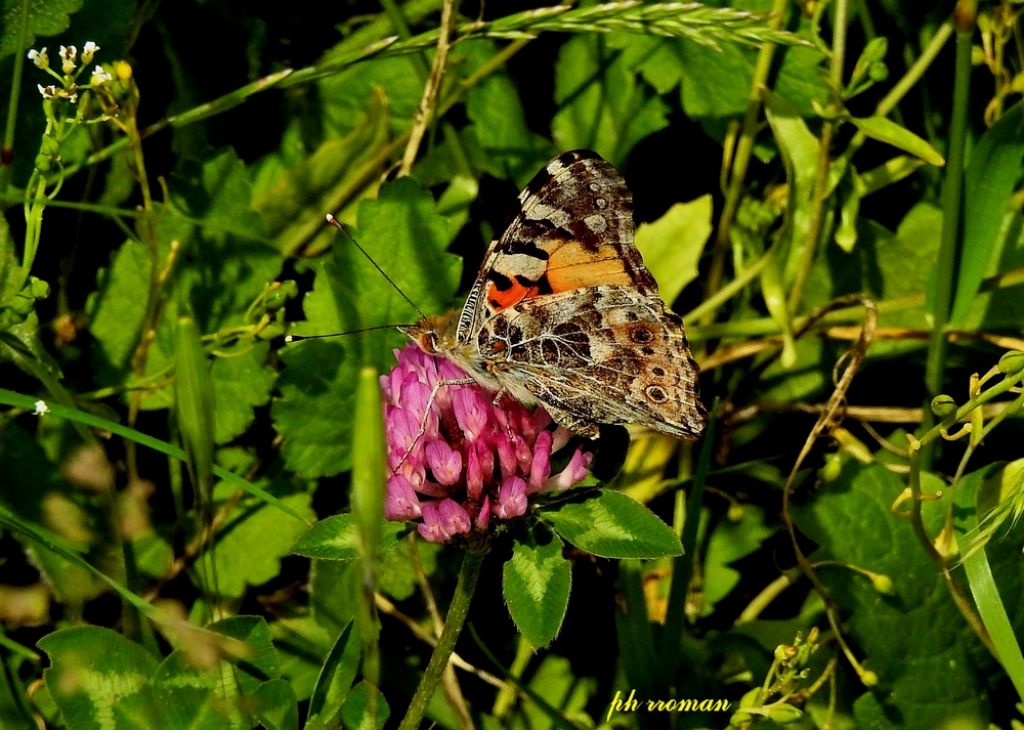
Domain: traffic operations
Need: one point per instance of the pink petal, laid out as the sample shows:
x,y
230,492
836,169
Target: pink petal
x,y
471,411
445,462
484,517
444,520
540,469
511,498
401,502
573,472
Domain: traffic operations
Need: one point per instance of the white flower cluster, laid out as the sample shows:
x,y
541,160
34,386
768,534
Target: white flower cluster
x,y
69,58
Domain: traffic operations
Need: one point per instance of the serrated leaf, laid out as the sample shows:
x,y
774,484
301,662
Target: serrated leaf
x,y
241,382
929,673
252,541
887,131
313,412
611,525
337,538
92,670
536,582
45,18
591,80
672,245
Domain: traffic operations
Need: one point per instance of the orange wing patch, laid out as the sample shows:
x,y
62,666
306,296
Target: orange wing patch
x,y
576,266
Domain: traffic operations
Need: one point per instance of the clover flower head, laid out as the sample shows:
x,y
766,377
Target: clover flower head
x,y
99,76
88,51
459,460
39,58
68,54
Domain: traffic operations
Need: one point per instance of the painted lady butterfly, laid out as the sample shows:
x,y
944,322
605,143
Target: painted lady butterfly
x,y
564,312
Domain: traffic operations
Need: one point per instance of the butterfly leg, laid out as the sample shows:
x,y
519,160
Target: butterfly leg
x,y
426,414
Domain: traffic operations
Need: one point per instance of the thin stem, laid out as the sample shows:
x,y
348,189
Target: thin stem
x,y
457,612
7,149
744,151
821,177
946,265
425,112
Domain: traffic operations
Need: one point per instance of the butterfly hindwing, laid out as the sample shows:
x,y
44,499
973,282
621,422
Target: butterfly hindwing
x,y
609,354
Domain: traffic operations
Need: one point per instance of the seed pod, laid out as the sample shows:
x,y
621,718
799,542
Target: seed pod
x,y
1011,362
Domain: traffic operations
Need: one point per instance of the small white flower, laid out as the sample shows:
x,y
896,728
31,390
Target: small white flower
x,y
88,50
39,58
67,55
99,76
41,408
48,92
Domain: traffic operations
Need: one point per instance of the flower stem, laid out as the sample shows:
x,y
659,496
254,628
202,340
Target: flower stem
x,y
946,264
457,612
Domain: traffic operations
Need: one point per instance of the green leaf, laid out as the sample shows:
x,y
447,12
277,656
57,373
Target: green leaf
x,y
926,658
799,149
992,483
672,245
716,83
293,198
274,705
883,265
336,677
591,82
368,466
92,670
337,538
887,131
508,149
45,18
241,382
312,412
365,709
251,543
989,183
536,582
195,406
612,525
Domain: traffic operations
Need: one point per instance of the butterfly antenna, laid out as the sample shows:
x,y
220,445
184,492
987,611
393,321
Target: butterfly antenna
x,y
300,338
337,224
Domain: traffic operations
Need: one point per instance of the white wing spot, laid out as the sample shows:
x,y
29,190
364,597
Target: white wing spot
x,y
596,223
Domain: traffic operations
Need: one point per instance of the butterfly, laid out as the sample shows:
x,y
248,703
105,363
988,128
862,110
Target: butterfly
x,y
564,313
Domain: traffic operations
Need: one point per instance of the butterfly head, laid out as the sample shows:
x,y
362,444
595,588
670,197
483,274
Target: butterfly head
x,y
434,335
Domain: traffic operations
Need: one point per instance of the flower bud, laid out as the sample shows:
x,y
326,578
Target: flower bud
x,y
883,584
943,406
1011,362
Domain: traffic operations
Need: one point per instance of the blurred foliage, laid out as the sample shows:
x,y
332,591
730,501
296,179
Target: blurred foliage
x,y
830,194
